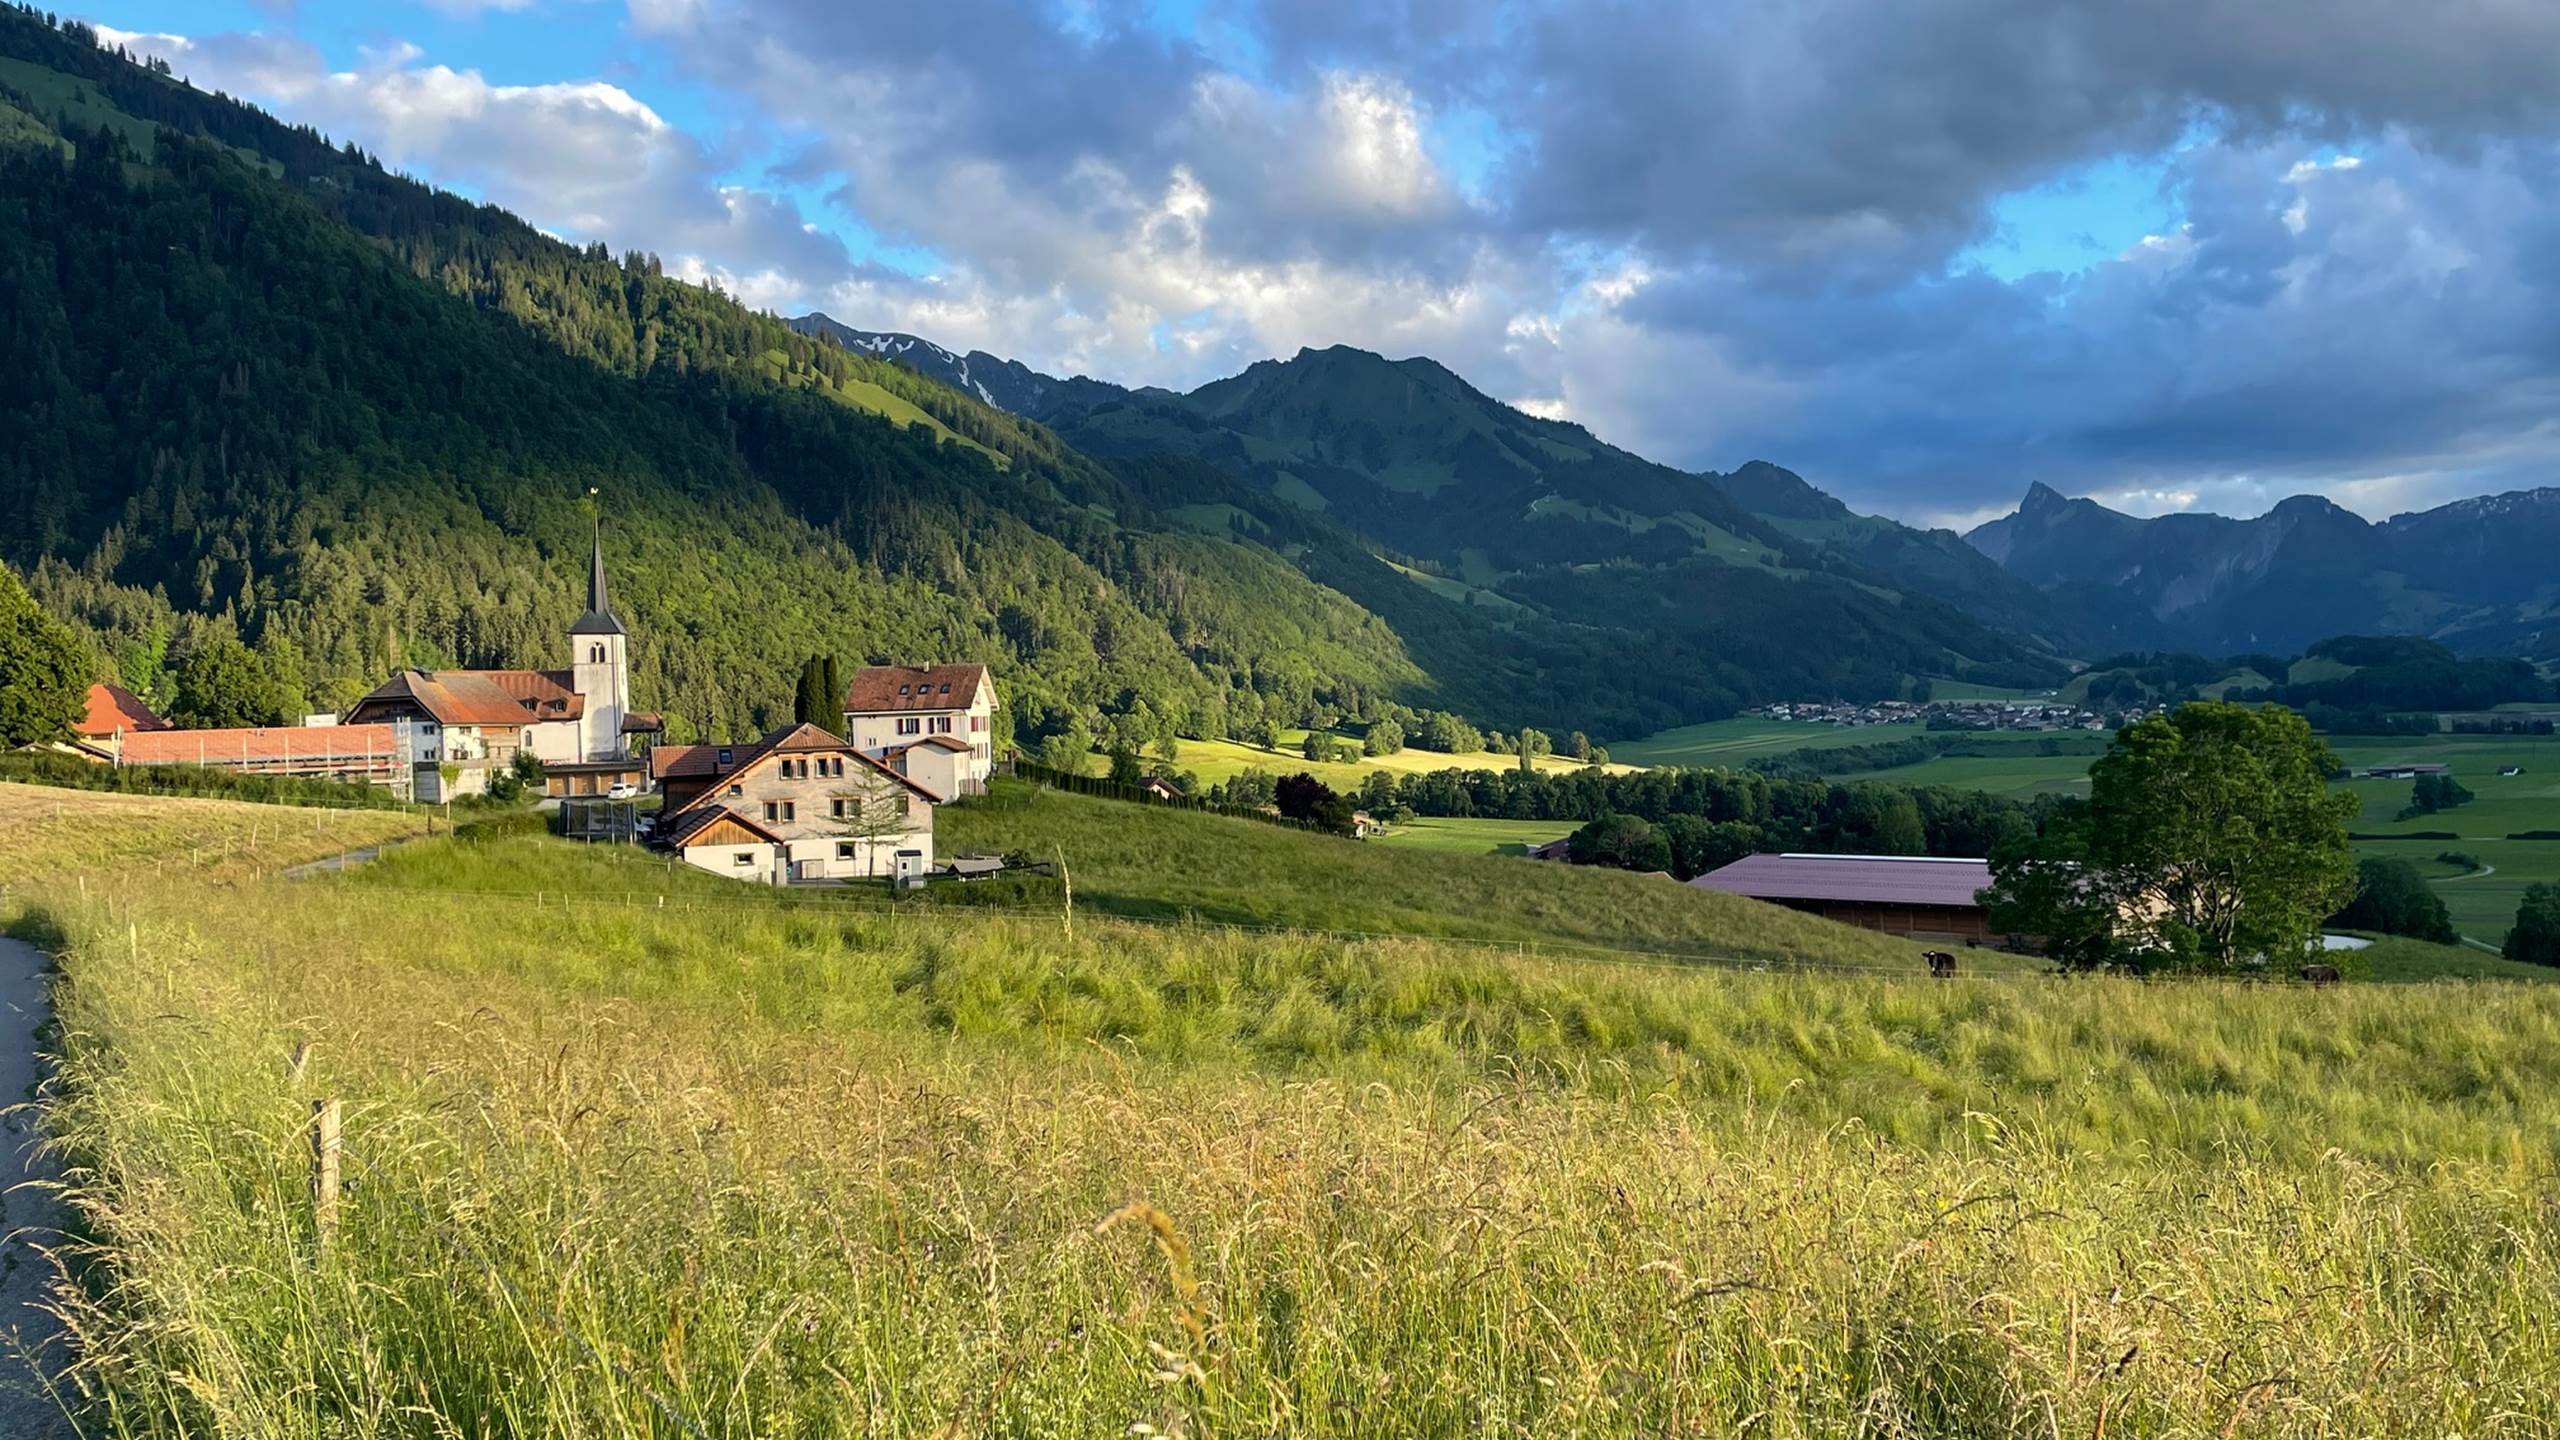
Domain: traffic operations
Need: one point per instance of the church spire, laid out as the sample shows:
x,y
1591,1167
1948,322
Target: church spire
x,y
599,619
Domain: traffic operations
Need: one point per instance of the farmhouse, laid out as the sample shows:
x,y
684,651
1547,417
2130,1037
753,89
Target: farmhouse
x,y
2405,772
577,721
798,806
892,712
1924,897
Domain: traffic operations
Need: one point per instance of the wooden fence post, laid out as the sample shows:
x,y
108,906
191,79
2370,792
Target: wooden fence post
x,y
1067,884
324,1173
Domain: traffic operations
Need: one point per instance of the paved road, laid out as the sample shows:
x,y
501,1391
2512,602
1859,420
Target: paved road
x,y
27,1411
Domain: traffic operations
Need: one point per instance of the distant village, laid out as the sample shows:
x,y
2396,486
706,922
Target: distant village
x,y
2046,715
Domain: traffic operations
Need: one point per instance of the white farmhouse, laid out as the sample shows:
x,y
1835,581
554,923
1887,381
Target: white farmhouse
x,y
932,723
798,806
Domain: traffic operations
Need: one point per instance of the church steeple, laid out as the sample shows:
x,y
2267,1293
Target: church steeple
x,y
599,619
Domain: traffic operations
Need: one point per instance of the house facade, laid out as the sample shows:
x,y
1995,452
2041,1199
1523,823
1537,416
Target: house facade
x,y
797,807
577,721
893,710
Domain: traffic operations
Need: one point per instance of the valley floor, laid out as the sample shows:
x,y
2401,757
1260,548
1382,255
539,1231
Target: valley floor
x,y
723,1164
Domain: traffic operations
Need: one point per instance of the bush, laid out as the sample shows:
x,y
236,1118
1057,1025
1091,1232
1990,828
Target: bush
x,y
1623,841
2536,936
2393,899
2462,859
1304,797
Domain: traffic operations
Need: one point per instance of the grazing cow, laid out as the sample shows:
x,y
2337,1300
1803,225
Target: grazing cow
x,y
2320,974
1941,964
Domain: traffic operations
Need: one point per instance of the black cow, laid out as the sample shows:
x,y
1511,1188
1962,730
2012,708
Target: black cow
x,y
2320,974
1942,964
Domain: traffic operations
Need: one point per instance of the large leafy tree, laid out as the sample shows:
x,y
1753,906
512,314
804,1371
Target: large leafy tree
x,y
224,684
44,671
2210,839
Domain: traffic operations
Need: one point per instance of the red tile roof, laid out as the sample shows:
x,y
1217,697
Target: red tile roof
x,y
879,689
550,694
113,708
1874,879
263,746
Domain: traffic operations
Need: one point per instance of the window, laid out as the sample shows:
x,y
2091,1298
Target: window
x,y
724,757
772,810
836,808
788,812
737,789
977,723
595,654
844,849
910,725
743,857
907,806
941,724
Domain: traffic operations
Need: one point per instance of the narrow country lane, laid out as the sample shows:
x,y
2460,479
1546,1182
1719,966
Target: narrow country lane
x,y
27,1334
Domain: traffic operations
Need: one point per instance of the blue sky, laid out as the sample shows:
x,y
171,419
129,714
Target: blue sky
x,y
1923,251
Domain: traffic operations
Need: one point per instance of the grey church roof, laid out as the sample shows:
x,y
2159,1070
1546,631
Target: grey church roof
x,y
599,618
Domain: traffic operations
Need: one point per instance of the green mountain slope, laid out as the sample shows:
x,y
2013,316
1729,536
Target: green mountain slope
x,y
1569,547
352,419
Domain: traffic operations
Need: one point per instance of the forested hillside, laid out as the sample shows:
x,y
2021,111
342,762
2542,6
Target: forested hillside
x,y
352,420
266,390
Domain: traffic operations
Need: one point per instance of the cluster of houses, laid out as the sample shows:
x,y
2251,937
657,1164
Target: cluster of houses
x,y
799,805
2046,715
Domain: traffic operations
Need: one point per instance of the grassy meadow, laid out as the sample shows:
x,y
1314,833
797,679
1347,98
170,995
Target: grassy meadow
x,y
1473,835
1217,760
758,1169
1158,863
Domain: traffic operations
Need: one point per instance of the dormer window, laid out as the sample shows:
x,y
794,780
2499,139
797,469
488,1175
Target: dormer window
x,y
724,757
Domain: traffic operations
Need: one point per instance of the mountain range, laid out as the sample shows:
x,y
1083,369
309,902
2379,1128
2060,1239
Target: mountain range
x,y
265,389
2475,574
1406,451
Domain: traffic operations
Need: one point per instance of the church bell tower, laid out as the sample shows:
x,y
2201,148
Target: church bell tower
x,y
601,668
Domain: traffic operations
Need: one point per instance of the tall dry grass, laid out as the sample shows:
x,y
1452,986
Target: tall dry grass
x,y
626,1172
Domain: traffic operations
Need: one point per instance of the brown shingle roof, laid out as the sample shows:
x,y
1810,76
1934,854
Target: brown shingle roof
x,y
476,697
693,820
113,708
878,689
1875,879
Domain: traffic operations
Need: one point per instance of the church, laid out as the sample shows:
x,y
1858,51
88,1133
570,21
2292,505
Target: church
x,y
465,726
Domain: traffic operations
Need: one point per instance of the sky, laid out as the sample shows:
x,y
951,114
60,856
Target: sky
x,y
2192,254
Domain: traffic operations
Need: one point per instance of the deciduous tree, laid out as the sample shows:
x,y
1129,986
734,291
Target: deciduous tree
x,y
2210,838
44,672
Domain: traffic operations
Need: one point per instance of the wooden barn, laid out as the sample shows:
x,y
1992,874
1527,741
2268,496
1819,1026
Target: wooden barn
x,y
1923,897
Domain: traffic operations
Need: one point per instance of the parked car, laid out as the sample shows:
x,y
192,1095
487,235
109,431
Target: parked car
x,y
622,791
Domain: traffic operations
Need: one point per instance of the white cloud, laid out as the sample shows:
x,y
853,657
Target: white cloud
x,y
581,159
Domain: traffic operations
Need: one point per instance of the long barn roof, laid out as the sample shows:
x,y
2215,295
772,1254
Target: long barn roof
x,y
1873,879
